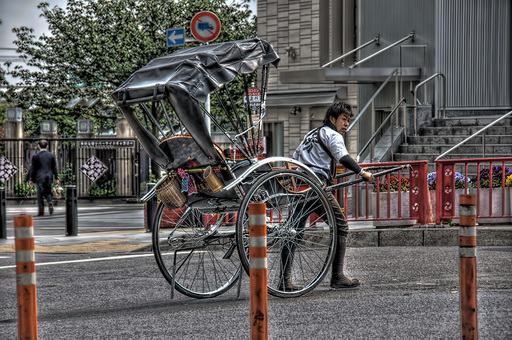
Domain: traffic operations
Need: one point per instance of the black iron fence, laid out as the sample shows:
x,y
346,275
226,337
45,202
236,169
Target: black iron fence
x,y
100,168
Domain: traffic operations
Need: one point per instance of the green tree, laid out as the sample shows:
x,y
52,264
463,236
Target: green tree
x,y
95,45
3,108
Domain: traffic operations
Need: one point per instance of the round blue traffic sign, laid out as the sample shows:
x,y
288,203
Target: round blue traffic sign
x,y
205,26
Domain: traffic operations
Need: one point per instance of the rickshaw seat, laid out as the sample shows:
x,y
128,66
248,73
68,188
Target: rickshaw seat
x,y
182,148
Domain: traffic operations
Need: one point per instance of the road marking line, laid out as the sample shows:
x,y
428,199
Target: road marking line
x,y
86,260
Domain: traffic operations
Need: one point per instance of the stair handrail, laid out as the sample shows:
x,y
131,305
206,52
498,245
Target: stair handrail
x,y
410,36
374,40
372,99
400,102
473,135
439,74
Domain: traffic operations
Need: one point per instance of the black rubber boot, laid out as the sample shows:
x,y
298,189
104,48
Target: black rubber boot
x,y
285,284
338,279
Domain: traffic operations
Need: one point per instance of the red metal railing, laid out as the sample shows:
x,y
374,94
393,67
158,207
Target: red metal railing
x,y
395,206
381,203
488,178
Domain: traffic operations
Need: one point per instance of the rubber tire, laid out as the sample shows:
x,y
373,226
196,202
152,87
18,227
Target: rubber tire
x,y
203,272
307,271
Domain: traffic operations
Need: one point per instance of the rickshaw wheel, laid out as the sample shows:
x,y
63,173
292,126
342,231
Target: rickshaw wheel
x,y
301,230
195,252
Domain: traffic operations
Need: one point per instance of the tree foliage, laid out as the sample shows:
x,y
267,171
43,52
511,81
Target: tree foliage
x,y
95,45
3,108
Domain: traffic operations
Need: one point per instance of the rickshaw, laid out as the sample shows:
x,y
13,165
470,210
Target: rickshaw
x,y
200,233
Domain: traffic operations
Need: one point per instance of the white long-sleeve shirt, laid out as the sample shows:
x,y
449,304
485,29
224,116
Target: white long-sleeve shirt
x,y
311,153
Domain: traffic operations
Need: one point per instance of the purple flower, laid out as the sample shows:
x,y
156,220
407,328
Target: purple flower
x,y
460,180
497,176
431,180
497,172
484,173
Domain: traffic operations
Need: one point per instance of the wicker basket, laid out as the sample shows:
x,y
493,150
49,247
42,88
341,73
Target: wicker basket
x,y
169,192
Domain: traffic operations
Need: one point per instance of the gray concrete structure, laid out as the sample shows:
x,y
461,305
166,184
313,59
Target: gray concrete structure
x,y
467,41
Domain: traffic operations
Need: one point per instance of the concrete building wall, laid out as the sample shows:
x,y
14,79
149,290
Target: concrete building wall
x,y
467,40
474,52
290,24
300,31
394,20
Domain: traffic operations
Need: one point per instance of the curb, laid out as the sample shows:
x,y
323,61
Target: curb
x,y
360,235
435,237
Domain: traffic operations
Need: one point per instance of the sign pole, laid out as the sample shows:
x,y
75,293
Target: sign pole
x,y
205,27
207,119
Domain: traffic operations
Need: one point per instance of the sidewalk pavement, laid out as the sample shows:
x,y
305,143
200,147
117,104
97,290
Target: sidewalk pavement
x,y
120,227
101,227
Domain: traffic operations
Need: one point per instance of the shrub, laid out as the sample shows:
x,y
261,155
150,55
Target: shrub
x,y
24,190
103,187
67,176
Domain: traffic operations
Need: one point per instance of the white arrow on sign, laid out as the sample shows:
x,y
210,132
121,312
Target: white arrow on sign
x,y
173,37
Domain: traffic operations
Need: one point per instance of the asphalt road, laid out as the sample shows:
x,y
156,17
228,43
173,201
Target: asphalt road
x,y
407,293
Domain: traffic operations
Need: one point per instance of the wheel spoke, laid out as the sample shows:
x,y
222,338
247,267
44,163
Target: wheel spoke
x,y
198,243
300,219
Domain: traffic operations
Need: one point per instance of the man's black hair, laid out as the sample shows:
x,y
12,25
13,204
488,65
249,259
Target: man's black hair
x,y
43,143
335,110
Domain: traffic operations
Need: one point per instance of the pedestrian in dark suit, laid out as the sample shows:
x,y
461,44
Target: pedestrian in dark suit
x,y
43,172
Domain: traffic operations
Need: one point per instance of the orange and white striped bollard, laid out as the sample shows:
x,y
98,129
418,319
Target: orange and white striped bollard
x,y
467,267
258,270
25,276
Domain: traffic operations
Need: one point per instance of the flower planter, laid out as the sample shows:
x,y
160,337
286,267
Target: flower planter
x,y
509,190
391,220
433,199
497,203
483,203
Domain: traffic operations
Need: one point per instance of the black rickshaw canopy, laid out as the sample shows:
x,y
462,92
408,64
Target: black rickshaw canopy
x,y
185,78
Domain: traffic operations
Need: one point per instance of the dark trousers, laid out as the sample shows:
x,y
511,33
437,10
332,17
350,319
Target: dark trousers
x,y
44,191
339,216
305,210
